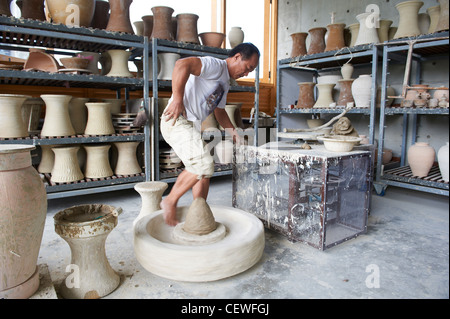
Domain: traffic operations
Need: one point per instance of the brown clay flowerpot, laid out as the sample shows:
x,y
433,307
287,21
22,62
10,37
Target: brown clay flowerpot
x,y
32,9
306,95
187,28
119,18
5,7
212,39
162,23
317,44
101,15
148,25
71,12
335,40
345,93
298,44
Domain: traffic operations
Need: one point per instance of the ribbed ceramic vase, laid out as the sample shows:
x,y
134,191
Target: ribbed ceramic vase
x,y
317,42
97,161
408,25
434,13
66,167
101,15
325,95
420,158
148,25
72,12
367,32
442,24
127,163
99,119
151,195
235,36
306,95
362,90
298,44
162,23
383,30
119,18
23,209
47,159
187,28
57,119
335,38
443,157
119,63
32,9
354,30
11,122
167,61
78,113
345,93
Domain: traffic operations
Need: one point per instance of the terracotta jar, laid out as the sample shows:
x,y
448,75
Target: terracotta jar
x,y
138,27
387,156
354,30
212,39
187,28
99,119
97,161
72,12
78,114
345,93
127,163
5,7
434,13
151,195
119,18
325,95
367,33
442,24
57,119
119,63
66,167
162,23
235,36
11,123
408,25
306,95
383,30
101,15
33,9
362,90
317,43
421,158
47,159
443,157
148,25
298,44
335,39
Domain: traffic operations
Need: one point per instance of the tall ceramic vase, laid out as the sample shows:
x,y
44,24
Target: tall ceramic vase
x,y
421,158
408,25
306,95
66,167
317,43
127,163
97,161
367,31
151,195
167,61
57,119
235,36
33,9
148,25
119,63
443,157
162,23
101,15
345,93
434,13
347,71
383,30
119,18
11,122
335,39
442,24
187,28
23,208
116,105
71,12
78,114
298,44
47,159
354,30
99,119
325,95
362,90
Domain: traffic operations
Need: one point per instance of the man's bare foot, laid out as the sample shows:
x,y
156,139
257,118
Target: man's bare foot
x,y
169,212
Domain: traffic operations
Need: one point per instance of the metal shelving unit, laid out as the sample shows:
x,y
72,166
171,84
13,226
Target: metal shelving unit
x,y
184,49
416,49
22,34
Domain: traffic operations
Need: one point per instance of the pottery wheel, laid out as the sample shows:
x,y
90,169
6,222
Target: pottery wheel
x,y
160,253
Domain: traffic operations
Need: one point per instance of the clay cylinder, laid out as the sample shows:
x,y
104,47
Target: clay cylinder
x,y
127,163
148,25
57,119
119,18
78,114
97,161
11,122
47,159
325,95
383,30
71,12
162,23
408,25
66,168
151,196
345,93
335,39
119,63
421,158
306,95
33,9
434,13
298,44
23,208
101,15
442,24
99,119
187,28
317,44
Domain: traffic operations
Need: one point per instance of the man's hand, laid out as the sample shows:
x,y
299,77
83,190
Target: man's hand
x,y
174,110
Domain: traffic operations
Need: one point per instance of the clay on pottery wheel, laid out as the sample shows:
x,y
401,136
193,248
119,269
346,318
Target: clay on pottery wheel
x,y
200,219
344,127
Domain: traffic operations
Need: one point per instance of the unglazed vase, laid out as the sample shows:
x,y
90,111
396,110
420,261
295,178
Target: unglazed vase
x,y
442,24
66,167
119,18
11,122
367,32
148,25
97,161
99,119
151,195
78,114
335,39
33,9
72,12
347,71
298,44
383,30
235,36
57,119
167,61
162,23
392,32
101,15
345,93
85,228
362,90
119,63
230,108
93,58
317,43
325,95
434,13
443,157
424,22
212,39
306,95
187,28
354,30
47,159
138,27
420,158
116,105
408,25
127,163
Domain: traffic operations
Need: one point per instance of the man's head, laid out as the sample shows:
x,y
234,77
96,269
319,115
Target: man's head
x,y
242,60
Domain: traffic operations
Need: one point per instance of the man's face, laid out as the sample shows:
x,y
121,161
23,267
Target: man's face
x,y
239,67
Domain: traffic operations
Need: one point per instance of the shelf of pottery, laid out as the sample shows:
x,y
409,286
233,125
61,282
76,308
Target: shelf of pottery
x,y
82,145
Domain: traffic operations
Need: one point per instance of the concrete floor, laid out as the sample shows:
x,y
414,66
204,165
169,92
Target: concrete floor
x,y
404,254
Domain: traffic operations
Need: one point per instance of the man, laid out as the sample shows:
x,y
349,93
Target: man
x,y
199,87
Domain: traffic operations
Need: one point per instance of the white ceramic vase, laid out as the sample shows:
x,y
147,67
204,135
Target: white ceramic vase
x,y
97,161
11,122
362,90
230,109
347,71
99,119
66,168
119,63
367,31
408,25
354,30
235,36
443,162
47,159
151,195
167,62
127,163
325,95
420,158
78,113
443,22
57,119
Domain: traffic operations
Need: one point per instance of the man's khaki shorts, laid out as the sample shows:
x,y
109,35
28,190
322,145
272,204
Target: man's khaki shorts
x,y
187,143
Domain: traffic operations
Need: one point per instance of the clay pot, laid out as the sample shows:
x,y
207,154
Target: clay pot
x,y
424,22
347,71
383,30
366,34
230,108
139,27
212,39
33,9
354,30
151,195
93,58
101,15
434,13
314,122
11,122
441,93
167,61
345,93
57,119
224,151
162,23
306,95
41,61
72,12
235,36
74,63
119,63
78,114
105,62
298,44
408,25
47,159
97,161
187,28
66,167
443,162
148,25
387,156
85,228
23,209
442,24
335,40
127,163
317,43
5,8
392,32
119,18
325,95
421,158
99,119
362,90
116,105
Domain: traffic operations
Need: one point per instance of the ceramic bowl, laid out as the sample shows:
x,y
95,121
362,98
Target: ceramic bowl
x,y
339,143
314,122
212,39
74,63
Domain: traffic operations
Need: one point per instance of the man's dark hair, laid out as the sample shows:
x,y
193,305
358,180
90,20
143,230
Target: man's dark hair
x,y
246,49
